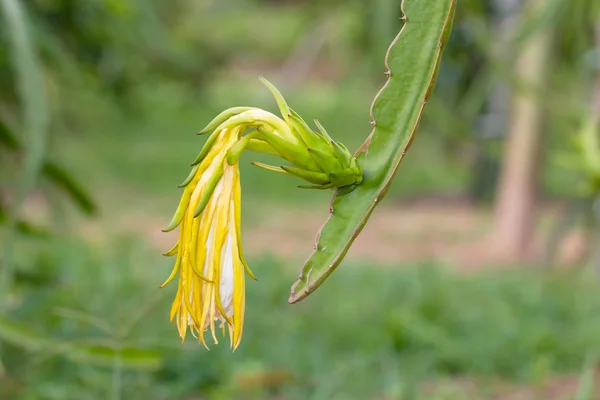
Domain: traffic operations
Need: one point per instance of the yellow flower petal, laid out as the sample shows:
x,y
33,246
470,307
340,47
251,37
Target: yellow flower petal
x,y
209,258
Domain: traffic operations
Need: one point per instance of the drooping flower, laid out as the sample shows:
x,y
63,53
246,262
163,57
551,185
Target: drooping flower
x,y
209,258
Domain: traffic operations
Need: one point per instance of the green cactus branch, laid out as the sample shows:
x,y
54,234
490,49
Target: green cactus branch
x,y
412,62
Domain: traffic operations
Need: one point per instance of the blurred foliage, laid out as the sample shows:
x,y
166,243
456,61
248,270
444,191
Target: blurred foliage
x,y
421,323
24,96
139,66
129,82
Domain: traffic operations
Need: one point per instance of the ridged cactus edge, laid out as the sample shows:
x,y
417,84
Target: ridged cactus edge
x,y
411,65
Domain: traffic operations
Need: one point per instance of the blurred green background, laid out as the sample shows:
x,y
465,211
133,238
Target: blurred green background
x,y
477,278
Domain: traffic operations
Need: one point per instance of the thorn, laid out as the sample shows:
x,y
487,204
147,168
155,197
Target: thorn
x,y
388,73
372,123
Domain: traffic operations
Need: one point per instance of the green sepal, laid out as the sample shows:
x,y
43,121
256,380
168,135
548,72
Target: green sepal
x,y
198,272
297,116
326,162
319,178
208,190
281,103
299,119
342,155
248,120
346,190
299,135
235,152
206,148
269,167
344,152
189,177
344,177
288,151
178,216
318,187
260,146
173,251
175,221
224,116
308,136
245,264
358,171
323,131
342,148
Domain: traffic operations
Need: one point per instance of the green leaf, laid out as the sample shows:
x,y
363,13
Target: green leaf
x,y
55,174
98,354
29,82
21,336
24,227
65,182
7,138
102,355
413,60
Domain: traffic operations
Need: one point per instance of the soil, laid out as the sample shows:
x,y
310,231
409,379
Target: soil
x,y
454,233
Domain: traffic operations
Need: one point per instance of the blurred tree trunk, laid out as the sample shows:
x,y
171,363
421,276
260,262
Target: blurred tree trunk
x,y
516,193
491,125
